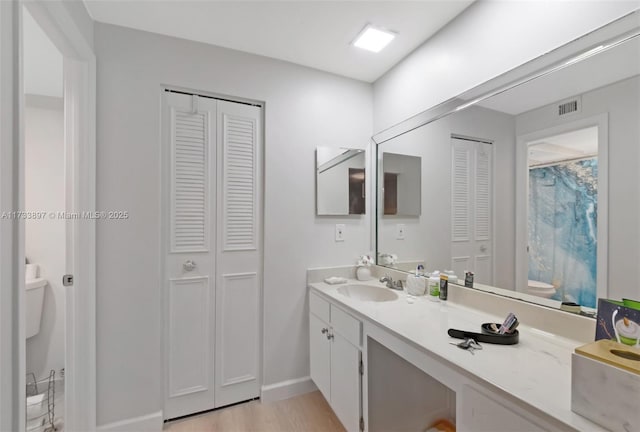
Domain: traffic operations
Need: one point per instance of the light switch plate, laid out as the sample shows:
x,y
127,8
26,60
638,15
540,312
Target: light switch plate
x,y
339,232
400,231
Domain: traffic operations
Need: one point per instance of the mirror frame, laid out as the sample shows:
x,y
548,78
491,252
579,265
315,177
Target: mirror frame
x,y
602,39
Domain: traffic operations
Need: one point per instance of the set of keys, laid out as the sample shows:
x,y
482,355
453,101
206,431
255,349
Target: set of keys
x,y
469,344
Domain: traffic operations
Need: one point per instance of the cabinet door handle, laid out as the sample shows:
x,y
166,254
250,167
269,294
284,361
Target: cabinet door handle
x,y
329,336
325,330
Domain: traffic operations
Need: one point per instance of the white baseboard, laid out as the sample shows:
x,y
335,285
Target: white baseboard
x,y
147,423
287,389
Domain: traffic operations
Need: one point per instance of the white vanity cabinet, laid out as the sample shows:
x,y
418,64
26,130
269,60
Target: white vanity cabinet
x,y
482,410
335,340
414,376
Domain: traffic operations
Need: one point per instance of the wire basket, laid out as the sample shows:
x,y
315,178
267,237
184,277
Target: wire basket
x,y
41,403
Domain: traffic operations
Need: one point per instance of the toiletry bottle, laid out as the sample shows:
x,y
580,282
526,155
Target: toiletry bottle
x,y
444,287
434,286
468,279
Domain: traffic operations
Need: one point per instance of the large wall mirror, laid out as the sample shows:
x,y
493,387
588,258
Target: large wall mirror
x,y
530,180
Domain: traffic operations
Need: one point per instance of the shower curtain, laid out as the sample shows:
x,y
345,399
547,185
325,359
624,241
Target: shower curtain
x,y
562,227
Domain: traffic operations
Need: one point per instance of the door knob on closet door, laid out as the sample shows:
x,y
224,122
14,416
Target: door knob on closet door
x,y
324,330
329,336
189,265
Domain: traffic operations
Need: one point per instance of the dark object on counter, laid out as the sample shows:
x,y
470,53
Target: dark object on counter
x,y
468,279
510,323
570,307
494,328
444,287
468,344
489,337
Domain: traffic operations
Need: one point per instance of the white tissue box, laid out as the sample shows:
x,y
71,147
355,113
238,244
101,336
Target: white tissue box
x,y
605,394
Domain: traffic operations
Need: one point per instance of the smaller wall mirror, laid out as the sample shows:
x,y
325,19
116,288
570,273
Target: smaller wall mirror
x,y
401,179
340,181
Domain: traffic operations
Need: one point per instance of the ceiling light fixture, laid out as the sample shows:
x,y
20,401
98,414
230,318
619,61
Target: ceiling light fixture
x,y
373,39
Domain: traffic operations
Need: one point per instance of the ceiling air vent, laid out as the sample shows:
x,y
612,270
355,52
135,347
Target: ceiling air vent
x,y
569,107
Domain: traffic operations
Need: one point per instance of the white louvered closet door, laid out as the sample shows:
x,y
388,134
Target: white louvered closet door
x,y
189,128
239,248
213,253
472,208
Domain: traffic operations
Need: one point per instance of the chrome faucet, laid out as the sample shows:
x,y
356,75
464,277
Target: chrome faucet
x,y
395,285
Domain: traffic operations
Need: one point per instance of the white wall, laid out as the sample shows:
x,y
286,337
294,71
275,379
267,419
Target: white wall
x,y
304,109
45,238
622,104
78,15
486,40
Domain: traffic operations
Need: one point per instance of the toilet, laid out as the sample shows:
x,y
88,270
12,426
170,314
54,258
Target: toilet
x,y
540,289
34,301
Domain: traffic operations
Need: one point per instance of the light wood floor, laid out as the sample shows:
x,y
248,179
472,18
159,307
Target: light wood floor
x,y
306,413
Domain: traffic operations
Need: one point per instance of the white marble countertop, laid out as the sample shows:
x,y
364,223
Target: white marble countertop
x,y
536,371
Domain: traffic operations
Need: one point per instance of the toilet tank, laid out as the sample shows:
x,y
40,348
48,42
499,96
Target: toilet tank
x,y
34,301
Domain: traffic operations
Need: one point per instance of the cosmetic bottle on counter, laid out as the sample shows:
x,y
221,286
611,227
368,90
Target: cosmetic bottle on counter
x,y
444,287
434,286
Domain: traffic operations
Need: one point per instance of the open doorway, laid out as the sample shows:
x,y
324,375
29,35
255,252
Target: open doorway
x,y
55,188
562,211
563,216
45,228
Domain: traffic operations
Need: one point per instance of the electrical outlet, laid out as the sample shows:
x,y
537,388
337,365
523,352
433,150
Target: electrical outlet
x,y
400,231
339,232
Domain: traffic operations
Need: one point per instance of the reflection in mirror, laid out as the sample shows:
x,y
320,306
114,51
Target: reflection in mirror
x,y
401,184
517,187
562,216
340,181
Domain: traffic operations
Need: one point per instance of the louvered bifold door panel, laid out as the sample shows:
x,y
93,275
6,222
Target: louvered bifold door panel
x,y
460,192
189,188
239,256
239,186
483,193
188,232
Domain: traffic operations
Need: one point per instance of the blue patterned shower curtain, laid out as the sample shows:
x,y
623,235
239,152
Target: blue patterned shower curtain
x,y
563,216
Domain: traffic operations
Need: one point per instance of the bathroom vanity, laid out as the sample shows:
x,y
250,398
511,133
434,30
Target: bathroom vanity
x,y
499,182
386,361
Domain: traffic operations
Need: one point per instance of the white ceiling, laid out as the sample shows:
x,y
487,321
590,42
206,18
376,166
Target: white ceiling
x,y
615,64
578,144
317,34
42,61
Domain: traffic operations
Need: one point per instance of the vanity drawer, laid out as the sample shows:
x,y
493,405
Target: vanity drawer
x,y
346,325
319,307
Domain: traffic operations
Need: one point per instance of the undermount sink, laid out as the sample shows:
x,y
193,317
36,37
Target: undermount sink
x,y
367,293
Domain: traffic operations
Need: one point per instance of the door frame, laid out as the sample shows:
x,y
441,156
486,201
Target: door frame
x,y
80,166
601,121
12,388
